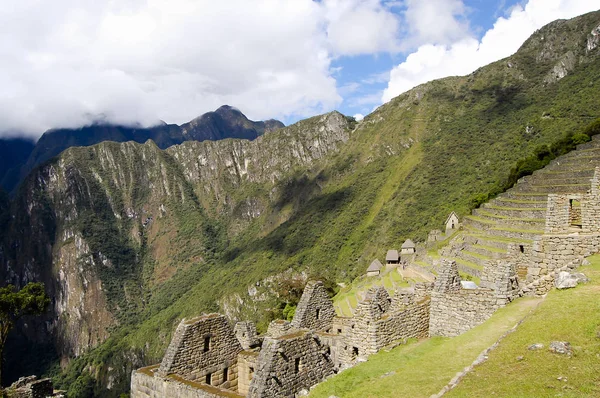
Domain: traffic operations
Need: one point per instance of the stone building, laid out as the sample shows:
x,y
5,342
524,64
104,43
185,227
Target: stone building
x,y
375,268
408,247
392,258
208,359
452,223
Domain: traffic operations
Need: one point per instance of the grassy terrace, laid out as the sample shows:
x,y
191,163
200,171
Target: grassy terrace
x,y
571,315
347,299
415,369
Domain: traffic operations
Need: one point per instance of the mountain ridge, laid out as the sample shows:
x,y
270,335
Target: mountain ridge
x,y
225,122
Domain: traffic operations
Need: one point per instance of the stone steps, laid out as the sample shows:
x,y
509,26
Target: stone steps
x,y
516,212
515,203
490,252
472,257
494,241
560,173
468,267
543,180
526,196
504,231
518,216
547,189
485,219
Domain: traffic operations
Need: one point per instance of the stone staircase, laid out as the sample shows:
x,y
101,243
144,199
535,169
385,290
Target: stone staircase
x,y
518,215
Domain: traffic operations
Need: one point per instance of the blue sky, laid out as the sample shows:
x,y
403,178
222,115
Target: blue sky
x,y
67,64
362,79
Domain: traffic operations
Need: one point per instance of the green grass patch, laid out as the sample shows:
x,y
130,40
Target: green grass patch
x,y
415,369
571,315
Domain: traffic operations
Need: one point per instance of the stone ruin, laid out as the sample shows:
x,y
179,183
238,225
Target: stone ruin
x,y
32,387
208,358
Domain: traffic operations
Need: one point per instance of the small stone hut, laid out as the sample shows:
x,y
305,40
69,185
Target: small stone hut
x,y
375,268
452,223
392,258
408,247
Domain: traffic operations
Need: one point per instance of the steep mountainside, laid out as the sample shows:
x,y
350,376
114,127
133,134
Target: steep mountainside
x,y
225,122
13,154
130,238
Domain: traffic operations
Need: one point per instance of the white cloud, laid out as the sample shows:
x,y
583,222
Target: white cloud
x,y
64,62
466,54
435,21
359,117
360,27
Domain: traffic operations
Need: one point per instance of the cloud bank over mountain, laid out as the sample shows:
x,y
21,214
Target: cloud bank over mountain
x,y
67,63
440,57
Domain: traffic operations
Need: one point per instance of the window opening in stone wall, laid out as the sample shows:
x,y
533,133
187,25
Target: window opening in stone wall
x,y
354,352
225,374
575,213
339,331
206,343
522,248
297,365
250,372
318,312
208,379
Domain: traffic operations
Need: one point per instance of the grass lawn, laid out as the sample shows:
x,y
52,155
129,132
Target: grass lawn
x,y
347,299
571,315
422,368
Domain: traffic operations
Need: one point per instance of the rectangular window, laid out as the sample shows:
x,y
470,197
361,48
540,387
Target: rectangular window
x,y
206,343
297,365
209,379
318,312
225,374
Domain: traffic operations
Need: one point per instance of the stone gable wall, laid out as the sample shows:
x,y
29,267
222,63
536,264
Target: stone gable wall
x,y
315,310
246,334
187,358
289,364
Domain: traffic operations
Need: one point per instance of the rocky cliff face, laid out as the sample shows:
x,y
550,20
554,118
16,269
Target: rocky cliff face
x,y
225,122
105,224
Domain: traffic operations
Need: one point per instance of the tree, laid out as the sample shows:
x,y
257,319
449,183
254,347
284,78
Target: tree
x,y
31,300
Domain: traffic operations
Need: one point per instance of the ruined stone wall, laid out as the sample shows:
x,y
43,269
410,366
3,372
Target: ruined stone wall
x,y
279,327
146,385
246,334
289,364
336,346
456,312
201,346
410,321
554,253
247,363
315,310
379,320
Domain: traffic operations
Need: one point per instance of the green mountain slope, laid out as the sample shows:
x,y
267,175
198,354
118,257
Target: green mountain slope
x,y
130,238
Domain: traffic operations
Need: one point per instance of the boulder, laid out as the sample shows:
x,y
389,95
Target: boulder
x,y
566,280
561,348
